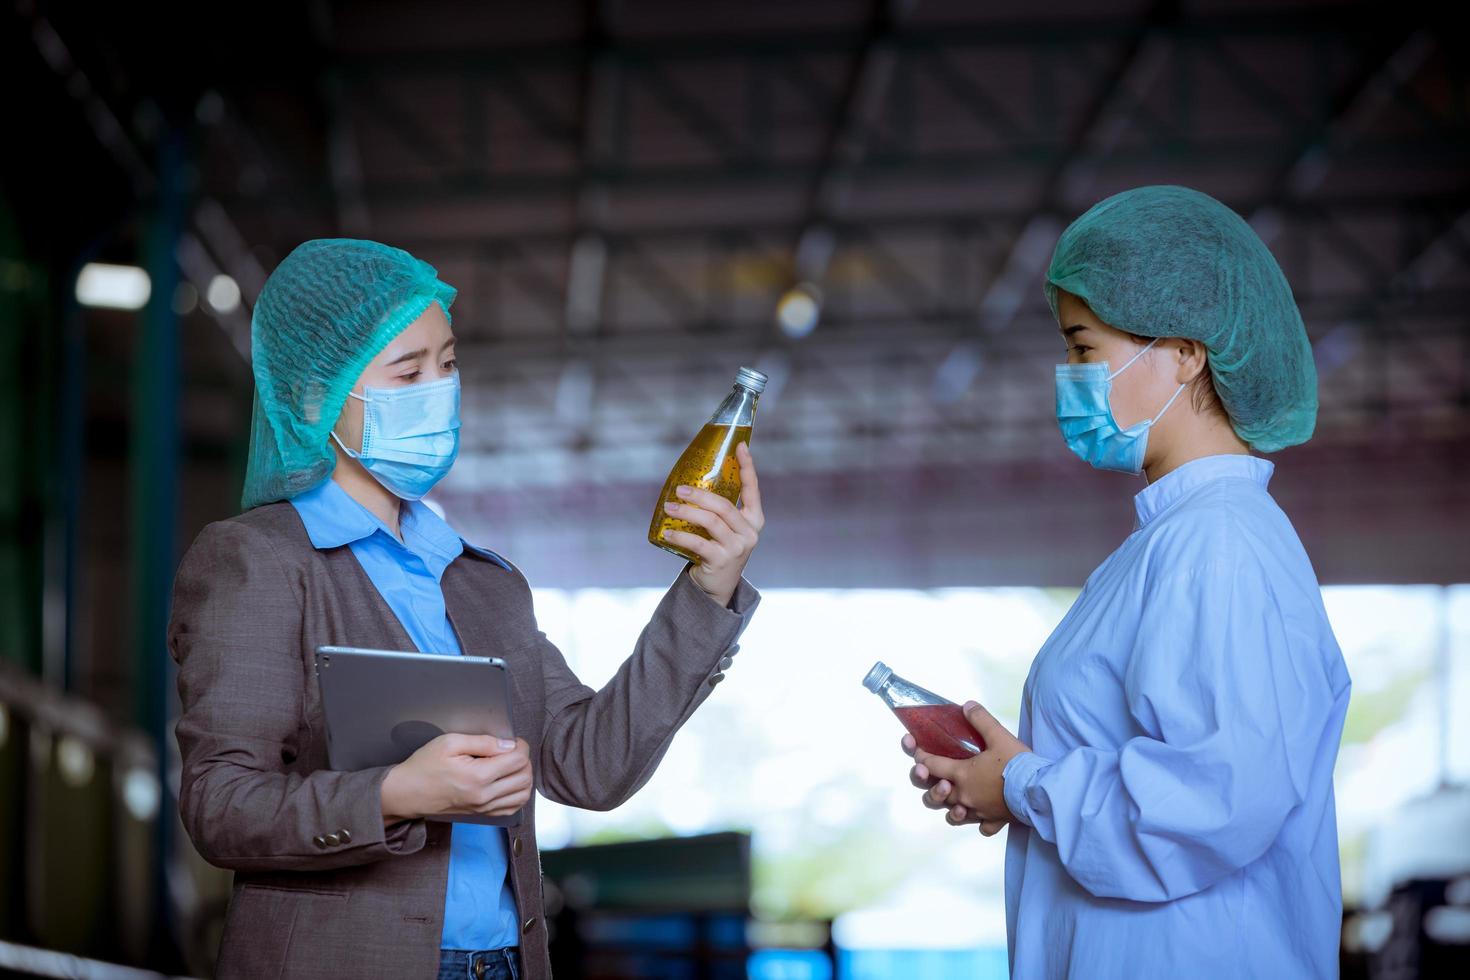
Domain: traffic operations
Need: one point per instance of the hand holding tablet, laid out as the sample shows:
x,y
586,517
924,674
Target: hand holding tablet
x,y
460,777
443,722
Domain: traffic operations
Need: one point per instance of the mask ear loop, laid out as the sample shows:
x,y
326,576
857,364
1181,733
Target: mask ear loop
x,y
350,452
354,454
1172,399
1134,358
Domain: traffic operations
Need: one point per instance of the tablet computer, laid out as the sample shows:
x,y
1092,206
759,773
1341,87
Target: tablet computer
x,y
383,705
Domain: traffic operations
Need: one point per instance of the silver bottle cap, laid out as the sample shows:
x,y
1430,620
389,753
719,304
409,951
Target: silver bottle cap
x,y
752,379
877,677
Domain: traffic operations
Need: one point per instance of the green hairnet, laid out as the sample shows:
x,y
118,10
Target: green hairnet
x,y
1173,262
327,310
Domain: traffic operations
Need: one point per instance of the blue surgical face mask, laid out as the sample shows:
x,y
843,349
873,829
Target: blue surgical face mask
x,y
410,436
1085,416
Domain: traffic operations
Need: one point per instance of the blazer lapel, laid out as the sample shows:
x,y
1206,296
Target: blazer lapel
x,y
480,634
382,628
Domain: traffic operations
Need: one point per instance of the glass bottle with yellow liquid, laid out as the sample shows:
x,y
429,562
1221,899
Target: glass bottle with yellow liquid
x,y
710,462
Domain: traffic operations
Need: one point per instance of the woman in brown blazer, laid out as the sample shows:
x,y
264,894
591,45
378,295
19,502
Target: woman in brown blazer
x,y
340,873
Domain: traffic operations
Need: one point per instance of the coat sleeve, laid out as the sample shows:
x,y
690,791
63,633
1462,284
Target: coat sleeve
x,y
235,633
599,748
1229,692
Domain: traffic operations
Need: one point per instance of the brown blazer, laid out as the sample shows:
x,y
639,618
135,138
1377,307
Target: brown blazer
x,y
320,888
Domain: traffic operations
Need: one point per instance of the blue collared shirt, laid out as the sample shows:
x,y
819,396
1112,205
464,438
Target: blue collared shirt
x,y
1175,816
479,909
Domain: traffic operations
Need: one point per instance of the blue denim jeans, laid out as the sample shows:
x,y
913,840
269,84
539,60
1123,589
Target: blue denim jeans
x,y
480,964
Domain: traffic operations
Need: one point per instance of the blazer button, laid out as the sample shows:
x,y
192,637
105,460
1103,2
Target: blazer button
x,y
733,650
319,841
716,679
346,837
530,924
725,663
515,847
333,840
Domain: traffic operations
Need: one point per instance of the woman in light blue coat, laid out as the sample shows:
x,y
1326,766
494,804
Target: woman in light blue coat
x,y
1169,796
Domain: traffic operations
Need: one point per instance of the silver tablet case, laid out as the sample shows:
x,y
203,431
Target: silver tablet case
x,y
382,705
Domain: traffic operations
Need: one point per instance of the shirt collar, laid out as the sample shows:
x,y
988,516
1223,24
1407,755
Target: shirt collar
x,y
333,519
1158,497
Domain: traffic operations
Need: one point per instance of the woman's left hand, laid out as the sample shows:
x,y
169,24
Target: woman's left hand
x,y
733,532
972,789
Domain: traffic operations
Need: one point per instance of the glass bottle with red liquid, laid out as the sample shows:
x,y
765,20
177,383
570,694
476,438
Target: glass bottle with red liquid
x,y
937,724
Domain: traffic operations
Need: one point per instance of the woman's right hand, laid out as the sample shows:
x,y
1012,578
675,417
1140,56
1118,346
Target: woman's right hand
x,y
978,780
921,778
455,773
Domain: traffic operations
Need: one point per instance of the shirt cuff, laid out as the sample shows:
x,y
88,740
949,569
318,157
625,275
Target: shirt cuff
x,y
1019,775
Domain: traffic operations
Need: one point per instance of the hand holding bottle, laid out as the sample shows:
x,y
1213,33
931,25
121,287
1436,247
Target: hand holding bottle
x,y
733,532
971,790
696,517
